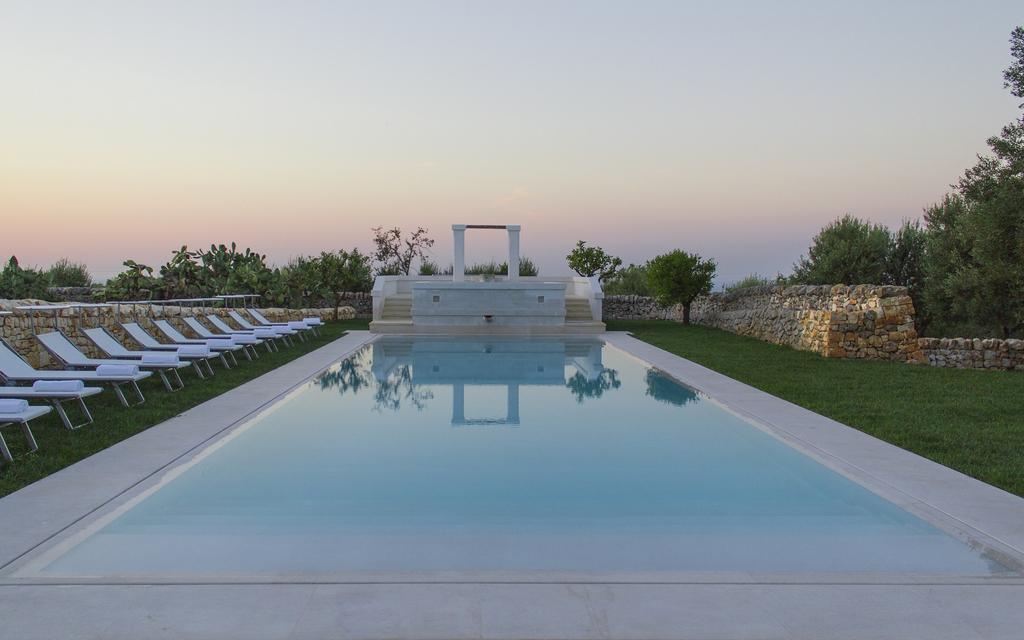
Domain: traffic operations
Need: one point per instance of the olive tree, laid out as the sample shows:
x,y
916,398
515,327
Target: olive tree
x,y
342,271
846,251
592,261
395,253
678,277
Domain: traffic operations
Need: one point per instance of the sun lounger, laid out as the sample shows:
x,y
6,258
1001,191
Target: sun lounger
x,y
310,323
177,337
57,392
14,369
283,332
267,334
249,342
110,346
18,412
147,341
65,351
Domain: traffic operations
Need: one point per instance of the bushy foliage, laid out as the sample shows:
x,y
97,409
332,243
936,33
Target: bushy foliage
x,y
975,258
592,261
752,280
65,273
222,269
629,281
492,268
846,251
17,282
679,277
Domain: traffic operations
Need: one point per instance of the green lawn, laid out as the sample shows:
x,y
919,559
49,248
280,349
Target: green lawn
x,y
972,421
59,447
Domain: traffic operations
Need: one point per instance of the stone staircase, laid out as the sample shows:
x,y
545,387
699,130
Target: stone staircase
x,y
397,309
577,309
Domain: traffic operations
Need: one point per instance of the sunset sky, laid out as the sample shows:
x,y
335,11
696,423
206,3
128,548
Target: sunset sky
x,y
735,130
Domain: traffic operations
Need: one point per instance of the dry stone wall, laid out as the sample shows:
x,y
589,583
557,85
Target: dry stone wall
x,y
17,329
863,321
974,353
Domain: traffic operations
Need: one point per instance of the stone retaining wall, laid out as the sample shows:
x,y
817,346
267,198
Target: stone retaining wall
x,y
863,321
974,353
16,329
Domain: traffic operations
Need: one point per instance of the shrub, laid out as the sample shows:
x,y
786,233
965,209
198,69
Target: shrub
x,y
630,281
846,251
753,280
65,273
17,282
679,277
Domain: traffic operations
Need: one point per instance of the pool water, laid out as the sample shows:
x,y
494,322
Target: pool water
x,y
473,455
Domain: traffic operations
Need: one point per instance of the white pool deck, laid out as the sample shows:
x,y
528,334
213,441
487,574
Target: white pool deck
x,y
687,605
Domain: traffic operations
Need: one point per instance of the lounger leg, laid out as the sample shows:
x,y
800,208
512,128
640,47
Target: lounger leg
x,y
124,400
163,378
138,392
31,439
84,409
58,406
120,394
224,361
5,452
209,366
177,376
198,369
245,350
234,360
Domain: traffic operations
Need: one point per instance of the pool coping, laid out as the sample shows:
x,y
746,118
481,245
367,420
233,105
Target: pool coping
x,y
755,606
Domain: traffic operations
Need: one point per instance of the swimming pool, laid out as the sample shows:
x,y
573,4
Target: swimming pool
x,y
470,455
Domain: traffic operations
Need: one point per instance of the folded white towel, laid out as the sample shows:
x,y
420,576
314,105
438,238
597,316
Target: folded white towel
x,y
195,350
241,338
313,322
12,405
265,333
58,385
117,370
297,324
160,358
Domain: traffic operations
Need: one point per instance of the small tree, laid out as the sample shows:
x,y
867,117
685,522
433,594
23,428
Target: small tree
x,y
846,251
394,254
592,261
679,277
342,271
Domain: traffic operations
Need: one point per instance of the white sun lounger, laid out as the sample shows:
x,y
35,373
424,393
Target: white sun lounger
x,y
177,337
147,341
14,369
61,348
268,335
283,332
310,324
20,416
57,398
248,342
110,346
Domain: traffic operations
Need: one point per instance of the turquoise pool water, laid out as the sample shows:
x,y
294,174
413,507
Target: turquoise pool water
x,y
437,455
